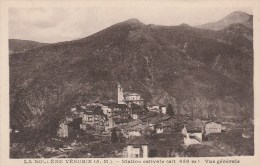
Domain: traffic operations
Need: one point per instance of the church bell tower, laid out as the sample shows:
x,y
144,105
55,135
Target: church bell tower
x,y
120,93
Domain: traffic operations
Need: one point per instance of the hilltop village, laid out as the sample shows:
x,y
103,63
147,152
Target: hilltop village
x,y
135,90
128,128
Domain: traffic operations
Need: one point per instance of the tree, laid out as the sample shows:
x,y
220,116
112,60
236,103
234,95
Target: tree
x,y
169,110
114,137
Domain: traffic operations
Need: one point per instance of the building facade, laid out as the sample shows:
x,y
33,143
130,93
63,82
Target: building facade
x,y
212,127
63,130
131,98
192,136
106,110
137,147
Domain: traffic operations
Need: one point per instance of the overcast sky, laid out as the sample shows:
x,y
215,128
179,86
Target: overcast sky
x,y
50,25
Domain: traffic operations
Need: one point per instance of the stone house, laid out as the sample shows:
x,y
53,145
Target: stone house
x,y
133,98
70,128
106,110
135,116
137,147
88,117
159,128
158,108
163,109
94,116
63,130
212,127
109,124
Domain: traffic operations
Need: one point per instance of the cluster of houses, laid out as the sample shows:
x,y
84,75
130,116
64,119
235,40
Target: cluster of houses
x,y
197,131
128,109
130,120
193,133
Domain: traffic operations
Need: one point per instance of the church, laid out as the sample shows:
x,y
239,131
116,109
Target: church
x,y
128,97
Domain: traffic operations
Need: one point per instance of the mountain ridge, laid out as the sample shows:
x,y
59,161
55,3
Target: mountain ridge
x,y
189,67
19,45
234,17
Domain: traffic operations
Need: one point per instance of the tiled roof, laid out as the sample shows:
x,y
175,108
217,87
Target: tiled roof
x,y
155,109
131,94
137,110
117,128
138,127
120,120
134,122
89,112
213,122
159,119
143,117
131,124
116,105
137,141
193,128
164,125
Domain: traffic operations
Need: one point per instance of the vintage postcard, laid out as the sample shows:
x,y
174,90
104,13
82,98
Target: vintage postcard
x,y
130,82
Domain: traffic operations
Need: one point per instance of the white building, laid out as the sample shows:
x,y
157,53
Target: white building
x,y
136,148
106,110
83,107
83,126
151,126
192,136
135,98
88,117
159,129
128,98
73,109
135,116
212,127
163,108
157,108
63,130
132,97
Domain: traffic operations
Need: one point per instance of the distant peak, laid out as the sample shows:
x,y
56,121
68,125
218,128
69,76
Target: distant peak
x,y
184,25
238,14
133,21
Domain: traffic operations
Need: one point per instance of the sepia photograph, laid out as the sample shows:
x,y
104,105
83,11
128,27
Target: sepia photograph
x,y
130,82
